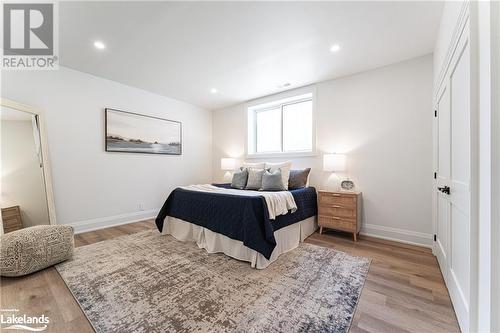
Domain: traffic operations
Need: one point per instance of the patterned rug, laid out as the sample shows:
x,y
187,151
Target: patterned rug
x,y
147,282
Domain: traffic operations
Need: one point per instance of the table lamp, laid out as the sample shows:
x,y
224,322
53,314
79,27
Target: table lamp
x,y
334,163
227,164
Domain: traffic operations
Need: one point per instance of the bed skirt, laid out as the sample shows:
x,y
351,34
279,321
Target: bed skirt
x,y
287,239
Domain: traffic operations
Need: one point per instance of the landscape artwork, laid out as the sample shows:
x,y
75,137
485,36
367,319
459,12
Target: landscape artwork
x,y
135,133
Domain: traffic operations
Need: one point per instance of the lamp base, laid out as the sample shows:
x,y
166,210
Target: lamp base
x,y
228,176
333,183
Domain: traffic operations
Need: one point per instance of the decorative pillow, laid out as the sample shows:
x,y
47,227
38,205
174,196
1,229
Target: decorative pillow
x,y
260,165
240,178
285,170
254,179
31,249
272,181
298,178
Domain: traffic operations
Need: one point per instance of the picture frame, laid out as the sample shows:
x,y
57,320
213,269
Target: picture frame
x,y
130,132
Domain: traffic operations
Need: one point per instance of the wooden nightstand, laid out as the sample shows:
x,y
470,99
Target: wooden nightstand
x,y
340,210
11,219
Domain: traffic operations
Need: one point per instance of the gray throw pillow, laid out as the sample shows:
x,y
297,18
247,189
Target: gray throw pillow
x,y
272,181
240,178
254,179
298,178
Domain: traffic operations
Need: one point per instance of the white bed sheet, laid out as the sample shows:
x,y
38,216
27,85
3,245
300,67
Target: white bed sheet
x,y
287,239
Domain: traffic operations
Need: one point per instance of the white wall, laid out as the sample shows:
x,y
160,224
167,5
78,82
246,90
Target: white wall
x,y
383,120
488,28
94,188
22,177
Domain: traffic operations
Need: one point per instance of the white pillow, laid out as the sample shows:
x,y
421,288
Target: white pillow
x,y
285,170
259,165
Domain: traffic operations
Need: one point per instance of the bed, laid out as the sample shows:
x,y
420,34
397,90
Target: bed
x,y
239,223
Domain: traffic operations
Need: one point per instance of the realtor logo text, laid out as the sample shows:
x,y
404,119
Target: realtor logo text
x,y
29,33
23,322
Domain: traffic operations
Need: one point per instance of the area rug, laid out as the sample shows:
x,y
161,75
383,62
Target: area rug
x,y
148,282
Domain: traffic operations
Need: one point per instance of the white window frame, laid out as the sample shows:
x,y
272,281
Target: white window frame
x,y
272,102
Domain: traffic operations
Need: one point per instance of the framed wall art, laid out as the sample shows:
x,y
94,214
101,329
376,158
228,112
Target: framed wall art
x,y
129,132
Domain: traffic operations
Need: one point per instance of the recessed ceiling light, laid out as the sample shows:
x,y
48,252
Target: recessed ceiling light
x,y
99,45
335,48
213,91
284,85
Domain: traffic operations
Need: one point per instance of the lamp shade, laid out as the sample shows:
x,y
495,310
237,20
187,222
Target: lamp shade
x,y
334,162
227,163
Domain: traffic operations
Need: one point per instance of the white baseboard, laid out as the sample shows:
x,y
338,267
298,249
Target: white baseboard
x,y
111,221
373,230
398,235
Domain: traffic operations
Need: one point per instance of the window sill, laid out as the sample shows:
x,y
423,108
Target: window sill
x,y
281,155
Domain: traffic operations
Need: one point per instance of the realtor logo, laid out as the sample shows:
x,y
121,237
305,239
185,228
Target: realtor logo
x,y
29,36
12,319
28,29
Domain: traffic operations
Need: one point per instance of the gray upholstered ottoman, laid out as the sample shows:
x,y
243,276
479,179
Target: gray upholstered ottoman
x,y
31,249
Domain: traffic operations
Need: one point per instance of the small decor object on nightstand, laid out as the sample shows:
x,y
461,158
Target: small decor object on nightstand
x,y
347,185
340,210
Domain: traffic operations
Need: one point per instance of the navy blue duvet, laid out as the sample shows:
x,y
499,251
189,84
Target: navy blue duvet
x,y
221,212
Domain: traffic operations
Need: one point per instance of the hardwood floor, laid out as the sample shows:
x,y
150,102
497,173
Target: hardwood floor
x,y
404,290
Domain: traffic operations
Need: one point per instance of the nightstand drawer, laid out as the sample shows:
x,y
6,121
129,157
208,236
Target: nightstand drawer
x,y
337,223
12,224
10,212
337,199
11,219
340,210
337,211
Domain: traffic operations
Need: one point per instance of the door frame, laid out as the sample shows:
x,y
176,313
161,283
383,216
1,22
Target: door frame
x,y
47,171
495,148
467,16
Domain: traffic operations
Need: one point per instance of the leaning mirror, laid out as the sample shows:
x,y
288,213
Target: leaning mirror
x,y
26,193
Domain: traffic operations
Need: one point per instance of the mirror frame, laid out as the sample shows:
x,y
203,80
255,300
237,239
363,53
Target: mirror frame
x,y
45,152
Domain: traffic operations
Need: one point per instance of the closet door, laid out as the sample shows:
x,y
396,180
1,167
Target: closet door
x,y
443,178
453,181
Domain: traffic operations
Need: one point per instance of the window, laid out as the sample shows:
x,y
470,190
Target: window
x,y
282,126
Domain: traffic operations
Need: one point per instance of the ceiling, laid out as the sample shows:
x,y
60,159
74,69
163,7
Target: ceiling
x,y
243,49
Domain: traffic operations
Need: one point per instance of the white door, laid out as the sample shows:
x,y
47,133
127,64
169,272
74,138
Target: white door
x,y
453,230
443,178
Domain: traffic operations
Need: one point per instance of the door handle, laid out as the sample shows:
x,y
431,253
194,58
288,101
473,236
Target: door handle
x,y
444,189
